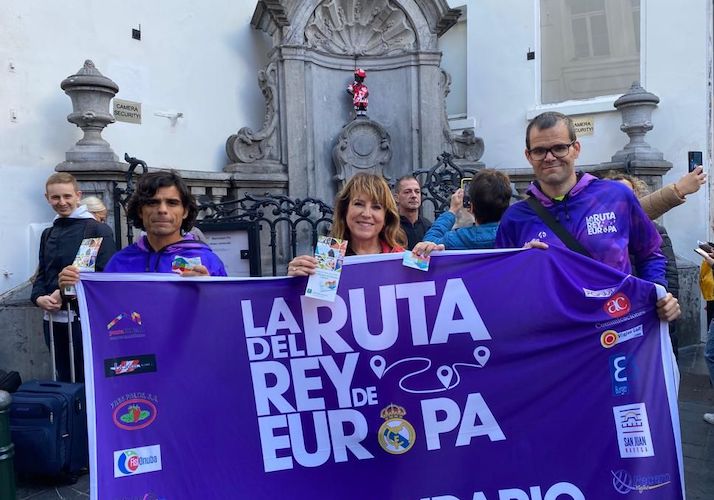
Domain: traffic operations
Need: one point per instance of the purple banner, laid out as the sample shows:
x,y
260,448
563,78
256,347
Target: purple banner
x,y
523,375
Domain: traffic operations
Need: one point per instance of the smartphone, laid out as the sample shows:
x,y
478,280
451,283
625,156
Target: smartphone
x,y
707,246
701,252
465,183
694,158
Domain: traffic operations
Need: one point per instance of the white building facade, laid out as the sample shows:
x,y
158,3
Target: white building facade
x,y
194,72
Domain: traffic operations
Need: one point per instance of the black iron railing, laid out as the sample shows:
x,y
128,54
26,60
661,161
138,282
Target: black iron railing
x,y
440,181
121,197
293,224
287,220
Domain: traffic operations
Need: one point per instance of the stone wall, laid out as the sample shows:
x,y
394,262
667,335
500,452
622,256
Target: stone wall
x,y
22,344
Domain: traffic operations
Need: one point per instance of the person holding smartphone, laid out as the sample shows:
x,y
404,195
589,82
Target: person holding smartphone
x,y
706,251
672,195
489,195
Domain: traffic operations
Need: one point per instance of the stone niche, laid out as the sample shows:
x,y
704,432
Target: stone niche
x,y
309,116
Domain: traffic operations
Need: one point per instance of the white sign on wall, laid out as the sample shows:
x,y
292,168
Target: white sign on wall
x,y
127,111
228,245
584,125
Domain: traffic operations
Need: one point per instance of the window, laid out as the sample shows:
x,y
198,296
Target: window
x,y
589,48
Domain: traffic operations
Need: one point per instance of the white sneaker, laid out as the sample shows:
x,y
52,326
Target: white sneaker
x,y
709,418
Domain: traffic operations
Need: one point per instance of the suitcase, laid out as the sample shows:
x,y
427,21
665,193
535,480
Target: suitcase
x,y
9,381
48,424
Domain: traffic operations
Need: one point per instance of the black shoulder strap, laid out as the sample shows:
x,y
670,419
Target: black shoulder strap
x,y
557,228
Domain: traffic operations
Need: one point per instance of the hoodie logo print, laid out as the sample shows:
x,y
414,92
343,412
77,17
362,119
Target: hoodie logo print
x,y
605,222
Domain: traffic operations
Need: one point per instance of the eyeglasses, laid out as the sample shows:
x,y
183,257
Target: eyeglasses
x,y
558,150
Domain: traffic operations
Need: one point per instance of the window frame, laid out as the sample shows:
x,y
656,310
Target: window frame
x,y
599,104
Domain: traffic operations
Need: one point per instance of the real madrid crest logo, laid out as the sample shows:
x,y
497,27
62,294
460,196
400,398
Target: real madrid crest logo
x,y
396,435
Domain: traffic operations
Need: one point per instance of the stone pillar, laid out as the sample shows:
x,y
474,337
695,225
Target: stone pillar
x,y
301,171
431,108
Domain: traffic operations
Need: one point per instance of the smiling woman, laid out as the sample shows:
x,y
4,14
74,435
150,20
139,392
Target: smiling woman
x,y
366,216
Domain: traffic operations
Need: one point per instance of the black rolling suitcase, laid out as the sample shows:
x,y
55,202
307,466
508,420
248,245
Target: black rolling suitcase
x,y
9,381
48,424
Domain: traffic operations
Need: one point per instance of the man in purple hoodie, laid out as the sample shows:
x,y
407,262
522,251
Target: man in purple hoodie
x,y
604,217
165,209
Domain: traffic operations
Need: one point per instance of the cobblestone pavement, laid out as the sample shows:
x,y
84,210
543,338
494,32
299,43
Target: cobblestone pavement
x,y
696,397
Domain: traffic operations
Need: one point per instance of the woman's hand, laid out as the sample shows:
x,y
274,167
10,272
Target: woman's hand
x,y
302,265
709,258
691,182
424,248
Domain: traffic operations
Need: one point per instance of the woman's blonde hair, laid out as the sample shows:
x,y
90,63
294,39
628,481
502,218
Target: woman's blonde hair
x,y
94,204
377,190
638,185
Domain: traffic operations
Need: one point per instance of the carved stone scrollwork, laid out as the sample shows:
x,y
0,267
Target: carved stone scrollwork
x,y
445,86
361,27
466,145
247,146
362,146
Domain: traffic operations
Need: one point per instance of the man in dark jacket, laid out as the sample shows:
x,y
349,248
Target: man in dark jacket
x,y
408,198
58,248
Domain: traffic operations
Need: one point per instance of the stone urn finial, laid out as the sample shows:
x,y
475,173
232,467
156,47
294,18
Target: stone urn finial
x,y
90,92
636,106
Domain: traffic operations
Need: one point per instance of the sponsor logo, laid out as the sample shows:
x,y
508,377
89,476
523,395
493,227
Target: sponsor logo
x,y
605,222
134,395
624,482
125,326
396,435
542,235
624,319
137,461
617,306
134,414
609,338
130,365
599,294
622,368
633,431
